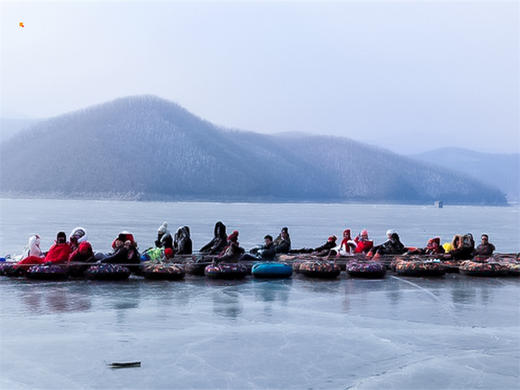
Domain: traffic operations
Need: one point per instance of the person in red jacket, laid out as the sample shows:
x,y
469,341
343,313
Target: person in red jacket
x,y
363,244
83,253
347,246
58,253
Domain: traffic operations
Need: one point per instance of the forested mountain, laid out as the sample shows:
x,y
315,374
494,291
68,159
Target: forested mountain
x,y
148,148
496,169
11,126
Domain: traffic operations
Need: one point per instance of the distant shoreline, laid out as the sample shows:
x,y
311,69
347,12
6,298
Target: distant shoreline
x,y
153,198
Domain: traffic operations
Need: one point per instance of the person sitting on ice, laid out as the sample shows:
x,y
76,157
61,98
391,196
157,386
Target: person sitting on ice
x,y
433,247
327,248
262,252
282,243
392,246
33,247
124,236
363,244
82,254
485,248
58,253
125,253
232,252
450,246
465,248
219,241
76,237
182,244
347,246
164,237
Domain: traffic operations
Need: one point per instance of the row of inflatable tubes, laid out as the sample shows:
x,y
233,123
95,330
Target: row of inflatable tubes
x,y
413,266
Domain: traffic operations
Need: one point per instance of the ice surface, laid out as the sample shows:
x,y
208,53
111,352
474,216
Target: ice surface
x,y
455,332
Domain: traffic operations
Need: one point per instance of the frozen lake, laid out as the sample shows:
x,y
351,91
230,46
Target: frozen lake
x,y
455,332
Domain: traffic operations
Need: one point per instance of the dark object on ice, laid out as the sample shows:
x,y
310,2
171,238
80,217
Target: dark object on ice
x,y
47,272
163,272
320,269
124,365
420,268
107,272
368,270
473,268
226,271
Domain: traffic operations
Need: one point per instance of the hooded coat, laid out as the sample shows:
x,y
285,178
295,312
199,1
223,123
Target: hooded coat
x,y
393,246
219,241
465,249
432,249
34,246
182,244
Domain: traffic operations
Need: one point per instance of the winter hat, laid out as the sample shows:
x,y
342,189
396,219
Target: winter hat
x,y
364,232
233,236
163,228
61,235
389,232
346,231
332,238
168,252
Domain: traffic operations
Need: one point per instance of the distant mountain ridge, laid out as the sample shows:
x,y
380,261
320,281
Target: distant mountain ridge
x,y
495,169
151,148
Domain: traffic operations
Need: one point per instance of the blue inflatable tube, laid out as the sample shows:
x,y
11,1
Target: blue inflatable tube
x,y
271,270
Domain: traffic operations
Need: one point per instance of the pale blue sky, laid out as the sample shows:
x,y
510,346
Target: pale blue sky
x,y
406,75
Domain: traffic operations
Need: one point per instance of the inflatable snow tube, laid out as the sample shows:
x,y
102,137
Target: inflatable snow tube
x,y
107,272
473,268
226,271
271,270
163,271
420,268
320,269
10,269
368,270
47,272
513,268
451,266
297,264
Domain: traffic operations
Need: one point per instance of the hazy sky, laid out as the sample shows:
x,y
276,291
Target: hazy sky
x,y
409,75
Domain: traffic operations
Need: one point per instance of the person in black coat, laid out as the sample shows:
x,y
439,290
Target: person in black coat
x,y
392,246
182,244
282,243
264,252
219,241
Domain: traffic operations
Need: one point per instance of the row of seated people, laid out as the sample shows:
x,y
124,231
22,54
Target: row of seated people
x,y
227,248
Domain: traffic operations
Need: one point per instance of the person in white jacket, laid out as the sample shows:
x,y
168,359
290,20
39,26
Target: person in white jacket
x,y
33,246
347,246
